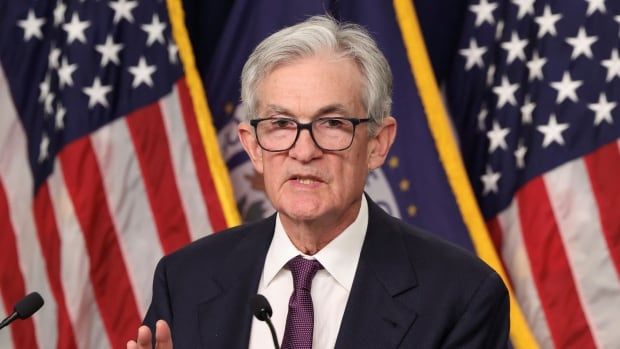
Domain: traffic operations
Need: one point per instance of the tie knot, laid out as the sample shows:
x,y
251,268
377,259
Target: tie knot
x,y
303,271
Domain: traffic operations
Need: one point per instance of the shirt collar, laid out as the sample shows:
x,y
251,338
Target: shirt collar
x,y
339,257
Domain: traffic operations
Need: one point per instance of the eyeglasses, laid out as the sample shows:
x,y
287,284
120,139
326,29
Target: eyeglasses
x,y
329,134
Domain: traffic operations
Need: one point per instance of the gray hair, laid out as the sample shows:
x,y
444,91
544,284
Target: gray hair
x,y
308,38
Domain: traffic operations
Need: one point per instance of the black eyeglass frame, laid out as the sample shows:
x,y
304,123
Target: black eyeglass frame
x,y
308,126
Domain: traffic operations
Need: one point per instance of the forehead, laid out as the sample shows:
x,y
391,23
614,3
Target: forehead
x,y
306,85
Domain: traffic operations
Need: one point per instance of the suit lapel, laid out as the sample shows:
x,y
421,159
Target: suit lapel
x,y
225,316
375,316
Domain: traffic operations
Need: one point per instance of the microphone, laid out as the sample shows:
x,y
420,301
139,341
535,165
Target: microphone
x,y
262,311
24,308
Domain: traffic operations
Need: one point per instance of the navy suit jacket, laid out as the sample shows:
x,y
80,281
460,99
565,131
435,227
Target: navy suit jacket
x,y
411,290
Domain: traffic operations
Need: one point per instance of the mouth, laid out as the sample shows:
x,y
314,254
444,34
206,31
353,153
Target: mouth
x,y
306,180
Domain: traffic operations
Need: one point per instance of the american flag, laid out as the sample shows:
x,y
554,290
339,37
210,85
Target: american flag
x,y
534,93
104,164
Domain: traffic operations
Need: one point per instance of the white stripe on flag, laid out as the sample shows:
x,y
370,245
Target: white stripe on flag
x,y
18,182
5,336
185,173
75,268
577,215
129,207
516,260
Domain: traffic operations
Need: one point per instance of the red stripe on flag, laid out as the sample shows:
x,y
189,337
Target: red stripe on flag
x,y
148,133
214,206
604,170
49,238
108,273
550,268
11,280
496,233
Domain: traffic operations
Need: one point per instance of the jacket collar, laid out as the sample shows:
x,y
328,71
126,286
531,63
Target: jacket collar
x,y
225,316
375,316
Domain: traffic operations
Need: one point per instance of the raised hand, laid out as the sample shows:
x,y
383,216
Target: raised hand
x,y
163,338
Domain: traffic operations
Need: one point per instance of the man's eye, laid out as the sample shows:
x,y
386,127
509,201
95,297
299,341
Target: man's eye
x,y
332,123
283,123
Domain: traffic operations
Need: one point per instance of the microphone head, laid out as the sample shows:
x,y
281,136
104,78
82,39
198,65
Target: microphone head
x,y
260,307
28,305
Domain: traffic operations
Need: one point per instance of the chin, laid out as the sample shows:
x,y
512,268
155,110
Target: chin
x,y
302,209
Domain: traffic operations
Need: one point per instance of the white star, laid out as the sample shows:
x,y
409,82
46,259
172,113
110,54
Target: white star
x,y
172,52
546,22
155,31
594,5
75,29
142,73
525,7
497,137
96,93
613,65
515,47
581,44
484,12
505,92
60,117
520,155
109,51
44,88
482,115
567,88
32,26
122,10
64,73
59,13
552,132
526,110
490,74
473,54
602,110
43,147
499,29
489,180
535,66
52,58
47,104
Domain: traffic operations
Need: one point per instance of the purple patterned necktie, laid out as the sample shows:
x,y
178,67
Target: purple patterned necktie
x,y
300,319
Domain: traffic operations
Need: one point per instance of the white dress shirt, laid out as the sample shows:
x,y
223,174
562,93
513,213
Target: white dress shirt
x,y
331,286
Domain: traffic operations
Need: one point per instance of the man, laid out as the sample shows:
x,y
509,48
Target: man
x,y
318,103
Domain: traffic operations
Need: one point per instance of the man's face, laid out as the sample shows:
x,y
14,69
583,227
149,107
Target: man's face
x,y
306,184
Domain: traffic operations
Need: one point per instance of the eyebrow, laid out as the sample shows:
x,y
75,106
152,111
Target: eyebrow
x,y
328,109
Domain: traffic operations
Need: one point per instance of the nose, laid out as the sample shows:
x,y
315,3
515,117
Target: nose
x,y
304,148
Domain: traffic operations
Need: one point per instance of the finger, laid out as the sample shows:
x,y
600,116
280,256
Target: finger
x,y
132,344
163,336
144,338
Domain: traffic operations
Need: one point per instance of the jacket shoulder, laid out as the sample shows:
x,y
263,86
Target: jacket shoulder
x,y
439,265
213,250
431,252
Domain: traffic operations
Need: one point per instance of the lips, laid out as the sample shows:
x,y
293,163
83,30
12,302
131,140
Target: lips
x,y
306,179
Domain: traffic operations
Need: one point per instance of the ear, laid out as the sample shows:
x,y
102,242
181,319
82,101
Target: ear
x,y
380,144
250,144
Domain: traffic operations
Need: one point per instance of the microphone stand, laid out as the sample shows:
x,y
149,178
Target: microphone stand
x,y
262,311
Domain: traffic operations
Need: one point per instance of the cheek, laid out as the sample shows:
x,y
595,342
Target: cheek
x,y
273,174
353,172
